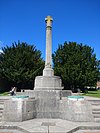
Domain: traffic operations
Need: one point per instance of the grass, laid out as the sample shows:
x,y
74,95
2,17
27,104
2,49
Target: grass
x,y
92,94
4,94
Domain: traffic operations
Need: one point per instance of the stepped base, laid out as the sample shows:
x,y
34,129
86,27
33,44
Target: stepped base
x,y
95,103
97,120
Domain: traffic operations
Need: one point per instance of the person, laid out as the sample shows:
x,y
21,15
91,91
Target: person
x,y
13,91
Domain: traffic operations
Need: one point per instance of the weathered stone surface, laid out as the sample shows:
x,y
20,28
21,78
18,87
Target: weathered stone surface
x,y
48,83
66,93
47,103
19,109
51,104
48,71
76,110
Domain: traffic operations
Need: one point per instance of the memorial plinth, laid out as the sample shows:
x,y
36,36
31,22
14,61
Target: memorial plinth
x,y
48,83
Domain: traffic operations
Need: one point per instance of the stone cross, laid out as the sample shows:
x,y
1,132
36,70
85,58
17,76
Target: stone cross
x,y
48,21
48,71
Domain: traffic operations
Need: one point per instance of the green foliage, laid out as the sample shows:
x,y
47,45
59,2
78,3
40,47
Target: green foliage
x,y
76,64
20,63
4,94
98,70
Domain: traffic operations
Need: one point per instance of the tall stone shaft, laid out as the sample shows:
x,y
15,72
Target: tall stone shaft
x,y
48,71
48,62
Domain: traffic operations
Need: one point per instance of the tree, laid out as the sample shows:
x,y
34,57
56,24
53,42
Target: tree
x,y
76,64
20,63
98,70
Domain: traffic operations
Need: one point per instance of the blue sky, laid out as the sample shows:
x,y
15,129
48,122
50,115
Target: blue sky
x,y
74,20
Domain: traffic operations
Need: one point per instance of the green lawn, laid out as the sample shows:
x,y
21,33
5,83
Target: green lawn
x,y
92,94
4,94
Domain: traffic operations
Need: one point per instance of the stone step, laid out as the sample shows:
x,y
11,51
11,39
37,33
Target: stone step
x,y
96,115
2,102
96,104
95,109
1,106
97,119
1,109
0,118
98,100
0,115
96,112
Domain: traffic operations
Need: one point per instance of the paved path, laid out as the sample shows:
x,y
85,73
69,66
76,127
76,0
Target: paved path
x,y
91,98
51,126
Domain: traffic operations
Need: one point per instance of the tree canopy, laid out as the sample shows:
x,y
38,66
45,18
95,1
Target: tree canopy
x,y
99,70
20,64
76,64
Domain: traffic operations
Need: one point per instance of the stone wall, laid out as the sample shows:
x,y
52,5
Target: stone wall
x,y
17,109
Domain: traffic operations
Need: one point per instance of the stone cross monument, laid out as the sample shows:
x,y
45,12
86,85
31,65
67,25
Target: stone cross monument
x,y
48,94
48,71
48,81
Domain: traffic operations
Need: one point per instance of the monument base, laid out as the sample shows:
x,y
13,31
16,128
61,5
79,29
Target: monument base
x,y
54,104
48,71
48,83
47,104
